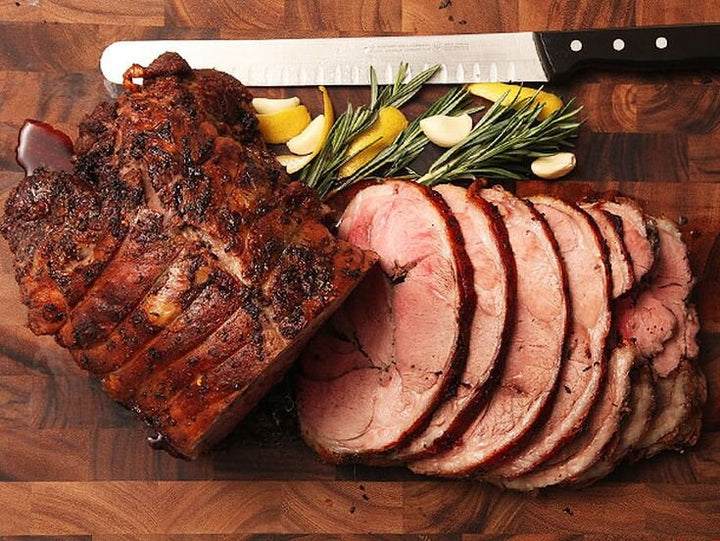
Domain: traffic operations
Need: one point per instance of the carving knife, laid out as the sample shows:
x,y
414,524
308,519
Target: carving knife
x,y
523,56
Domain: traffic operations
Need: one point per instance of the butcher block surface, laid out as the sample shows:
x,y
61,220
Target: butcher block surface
x,y
75,464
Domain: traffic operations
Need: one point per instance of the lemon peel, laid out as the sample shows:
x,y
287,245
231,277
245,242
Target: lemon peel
x,y
390,122
281,126
495,91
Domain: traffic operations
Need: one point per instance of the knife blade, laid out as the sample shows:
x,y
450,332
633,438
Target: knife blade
x,y
463,58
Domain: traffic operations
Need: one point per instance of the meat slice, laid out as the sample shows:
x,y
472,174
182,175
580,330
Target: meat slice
x,y
672,284
610,226
487,244
639,233
597,440
678,417
583,370
664,326
657,317
535,352
641,408
374,375
176,219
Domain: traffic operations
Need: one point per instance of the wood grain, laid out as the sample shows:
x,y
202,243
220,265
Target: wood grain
x,y
74,465
148,12
235,15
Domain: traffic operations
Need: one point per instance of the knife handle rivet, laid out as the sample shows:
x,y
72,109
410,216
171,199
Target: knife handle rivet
x,y
618,44
575,45
661,42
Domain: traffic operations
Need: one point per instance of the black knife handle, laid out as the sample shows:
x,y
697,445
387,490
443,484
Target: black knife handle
x,y
650,47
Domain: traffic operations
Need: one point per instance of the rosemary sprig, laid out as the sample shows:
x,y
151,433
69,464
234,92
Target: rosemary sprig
x,y
396,158
321,173
504,142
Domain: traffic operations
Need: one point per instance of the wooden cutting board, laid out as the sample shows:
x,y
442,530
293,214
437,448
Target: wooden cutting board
x,y
72,463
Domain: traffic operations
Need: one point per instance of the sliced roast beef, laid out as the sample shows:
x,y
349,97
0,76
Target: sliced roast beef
x,y
677,420
641,408
672,284
375,374
588,274
535,352
639,233
487,244
623,278
664,326
657,318
681,395
597,440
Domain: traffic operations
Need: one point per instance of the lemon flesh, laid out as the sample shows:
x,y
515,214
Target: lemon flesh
x,y
389,124
495,91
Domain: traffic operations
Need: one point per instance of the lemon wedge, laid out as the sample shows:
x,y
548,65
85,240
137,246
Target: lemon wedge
x,y
495,91
281,126
273,105
368,144
312,137
446,131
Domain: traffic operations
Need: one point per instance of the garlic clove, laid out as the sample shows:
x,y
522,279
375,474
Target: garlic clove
x,y
310,138
266,106
555,166
293,163
446,131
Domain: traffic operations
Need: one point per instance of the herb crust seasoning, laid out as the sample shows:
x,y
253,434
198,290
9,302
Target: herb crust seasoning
x,y
177,262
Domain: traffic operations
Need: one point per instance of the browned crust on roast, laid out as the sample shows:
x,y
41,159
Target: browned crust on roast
x,y
170,296
173,163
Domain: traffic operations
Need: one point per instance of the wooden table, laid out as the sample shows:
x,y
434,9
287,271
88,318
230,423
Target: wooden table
x,y
73,463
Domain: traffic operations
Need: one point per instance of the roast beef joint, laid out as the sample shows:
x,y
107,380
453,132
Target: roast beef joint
x,y
176,260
